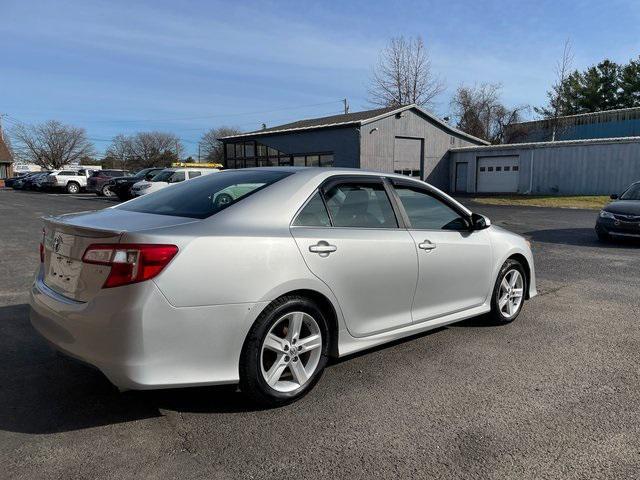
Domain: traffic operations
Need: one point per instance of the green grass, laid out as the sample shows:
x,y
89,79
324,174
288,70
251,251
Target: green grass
x,y
591,202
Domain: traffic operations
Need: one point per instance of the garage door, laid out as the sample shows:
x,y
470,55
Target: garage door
x,y
407,153
498,174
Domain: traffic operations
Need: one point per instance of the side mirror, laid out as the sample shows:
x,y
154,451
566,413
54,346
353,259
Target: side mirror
x,y
613,196
479,222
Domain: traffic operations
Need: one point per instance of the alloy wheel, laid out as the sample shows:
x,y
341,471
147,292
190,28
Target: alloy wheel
x,y
291,351
511,293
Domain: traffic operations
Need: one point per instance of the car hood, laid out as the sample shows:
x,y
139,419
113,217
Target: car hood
x,y
629,207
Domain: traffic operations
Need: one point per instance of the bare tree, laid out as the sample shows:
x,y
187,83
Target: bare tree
x,y
557,96
481,113
146,149
212,147
119,151
404,75
51,145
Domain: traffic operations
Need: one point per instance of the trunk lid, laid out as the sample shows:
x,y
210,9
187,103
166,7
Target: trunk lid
x,y
67,237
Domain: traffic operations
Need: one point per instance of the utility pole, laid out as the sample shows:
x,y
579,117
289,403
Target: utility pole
x,y
346,105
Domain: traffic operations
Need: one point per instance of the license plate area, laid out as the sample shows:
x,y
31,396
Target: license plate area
x,y
63,273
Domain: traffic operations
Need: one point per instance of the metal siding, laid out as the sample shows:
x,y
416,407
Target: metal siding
x,y
587,169
343,142
377,146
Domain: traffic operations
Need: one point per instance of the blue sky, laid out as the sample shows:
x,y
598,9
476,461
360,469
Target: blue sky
x,y
119,67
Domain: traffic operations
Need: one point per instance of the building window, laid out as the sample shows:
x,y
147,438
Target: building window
x,y
498,169
482,169
516,168
231,163
313,160
285,161
326,160
249,149
231,150
251,162
299,161
489,169
507,168
239,152
273,152
408,173
262,150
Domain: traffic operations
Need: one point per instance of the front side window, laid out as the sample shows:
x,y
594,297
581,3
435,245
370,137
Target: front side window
x,y
426,212
206,195
314,214
360,205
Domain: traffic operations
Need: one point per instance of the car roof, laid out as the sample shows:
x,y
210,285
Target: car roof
x,y
324,171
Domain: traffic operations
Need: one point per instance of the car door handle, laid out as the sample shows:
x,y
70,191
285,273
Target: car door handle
x,y
427,245
323,248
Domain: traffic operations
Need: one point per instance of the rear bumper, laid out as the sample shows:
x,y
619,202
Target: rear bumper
x,y
140,341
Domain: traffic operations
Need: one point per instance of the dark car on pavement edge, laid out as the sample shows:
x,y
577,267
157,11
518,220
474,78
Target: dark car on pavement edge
x,y
621,218
98,181
121,186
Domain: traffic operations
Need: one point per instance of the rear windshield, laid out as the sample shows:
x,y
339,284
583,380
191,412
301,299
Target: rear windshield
x,y
204,196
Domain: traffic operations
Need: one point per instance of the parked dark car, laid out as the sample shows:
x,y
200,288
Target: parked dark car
x,y
621,218
29,181
121,186
8,182
97,182
18,184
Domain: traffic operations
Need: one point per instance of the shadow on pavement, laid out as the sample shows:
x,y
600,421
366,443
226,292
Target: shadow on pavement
x,y
45,392
581,237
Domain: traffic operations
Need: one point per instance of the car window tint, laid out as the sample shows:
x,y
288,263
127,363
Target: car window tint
x,y
206,195
314,214
177,177
361,205
194,174
632,193
426,212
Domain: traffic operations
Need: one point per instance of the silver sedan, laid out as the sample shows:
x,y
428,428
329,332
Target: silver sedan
x,y
295,267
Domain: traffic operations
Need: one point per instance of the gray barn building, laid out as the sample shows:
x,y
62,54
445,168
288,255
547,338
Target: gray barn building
x,y
574,167
406,140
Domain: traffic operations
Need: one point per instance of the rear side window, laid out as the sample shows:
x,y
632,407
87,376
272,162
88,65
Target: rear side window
x,y
360,205
206,195
194,174
314,214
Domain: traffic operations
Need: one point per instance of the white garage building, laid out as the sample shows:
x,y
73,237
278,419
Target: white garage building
x,y
576,167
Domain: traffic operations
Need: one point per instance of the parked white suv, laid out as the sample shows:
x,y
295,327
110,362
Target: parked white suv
x,y
72,181
167,177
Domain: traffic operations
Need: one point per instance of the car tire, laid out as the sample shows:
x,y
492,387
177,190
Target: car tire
x,y
271,377
512,273
106,192
72,187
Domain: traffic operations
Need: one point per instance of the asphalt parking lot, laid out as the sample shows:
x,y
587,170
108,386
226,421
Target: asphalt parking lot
x,y
554,395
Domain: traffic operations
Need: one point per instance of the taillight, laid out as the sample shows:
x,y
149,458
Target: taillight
x,y
42,246
130,263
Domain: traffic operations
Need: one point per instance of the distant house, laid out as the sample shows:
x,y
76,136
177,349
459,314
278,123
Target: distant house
x,y
407,140
619,123
6,160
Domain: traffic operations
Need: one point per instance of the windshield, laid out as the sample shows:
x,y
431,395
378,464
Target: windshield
x,y
632,193
204,196
163,176
143,173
